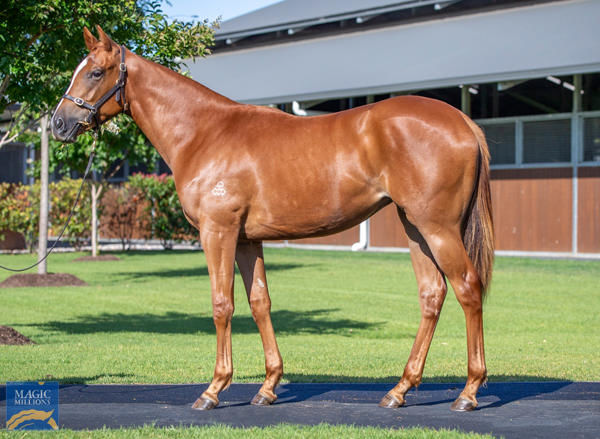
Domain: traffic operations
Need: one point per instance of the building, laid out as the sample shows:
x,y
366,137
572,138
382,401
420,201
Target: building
x,y
15,156
527,71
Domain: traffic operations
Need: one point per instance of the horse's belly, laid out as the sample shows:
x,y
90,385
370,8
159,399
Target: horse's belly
x,y
305,222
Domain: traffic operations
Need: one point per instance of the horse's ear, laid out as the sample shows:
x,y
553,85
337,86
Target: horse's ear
x,y
104,39
90,40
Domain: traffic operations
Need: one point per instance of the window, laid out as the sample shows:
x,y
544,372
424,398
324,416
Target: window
x,y
501,141
548,95
591,92
12,160
547,141
591,139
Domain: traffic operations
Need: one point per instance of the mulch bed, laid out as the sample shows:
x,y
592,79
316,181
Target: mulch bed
x,y
96,258
42,280
9,336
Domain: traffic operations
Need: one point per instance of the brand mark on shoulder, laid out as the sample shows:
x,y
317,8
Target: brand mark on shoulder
x,y
219,189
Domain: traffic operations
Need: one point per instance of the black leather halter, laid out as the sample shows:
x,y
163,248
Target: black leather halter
x,y
118,90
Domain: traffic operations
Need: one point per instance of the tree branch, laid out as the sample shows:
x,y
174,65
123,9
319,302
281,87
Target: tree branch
x,y
4,84
5,139
117,168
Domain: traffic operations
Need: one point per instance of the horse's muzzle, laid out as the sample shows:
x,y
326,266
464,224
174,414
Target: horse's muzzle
x,y
65,129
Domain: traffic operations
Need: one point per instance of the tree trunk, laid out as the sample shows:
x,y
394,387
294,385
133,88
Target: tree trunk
x,y
44,207
96,191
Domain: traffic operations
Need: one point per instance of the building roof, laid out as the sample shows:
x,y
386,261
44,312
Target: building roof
x,y
508,44
290,14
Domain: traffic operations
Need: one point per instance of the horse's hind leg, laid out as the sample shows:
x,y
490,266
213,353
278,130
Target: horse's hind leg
x,y
251,263
432,292
449,253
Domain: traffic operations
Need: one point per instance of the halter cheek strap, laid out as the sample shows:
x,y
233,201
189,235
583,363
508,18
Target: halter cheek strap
x,y
118,90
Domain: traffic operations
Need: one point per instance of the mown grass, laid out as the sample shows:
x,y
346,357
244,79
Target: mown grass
x,y
276,432
339,316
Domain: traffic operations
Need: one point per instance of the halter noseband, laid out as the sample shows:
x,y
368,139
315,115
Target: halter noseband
x,y
118,89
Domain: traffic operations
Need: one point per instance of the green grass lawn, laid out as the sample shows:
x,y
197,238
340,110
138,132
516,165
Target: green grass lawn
x,y
342,317
339,317
222,431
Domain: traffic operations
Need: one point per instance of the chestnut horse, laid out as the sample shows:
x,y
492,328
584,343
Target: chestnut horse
x,y
245,174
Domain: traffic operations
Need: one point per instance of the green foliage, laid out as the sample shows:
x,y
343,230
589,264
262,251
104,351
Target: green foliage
x,y
19,210
42,42
62,198
169,224
147,205
111,151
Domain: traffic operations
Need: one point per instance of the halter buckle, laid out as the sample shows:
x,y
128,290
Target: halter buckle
x,y
78,101
122,67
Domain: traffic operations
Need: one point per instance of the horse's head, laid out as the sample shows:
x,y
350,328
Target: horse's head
x,y
96,90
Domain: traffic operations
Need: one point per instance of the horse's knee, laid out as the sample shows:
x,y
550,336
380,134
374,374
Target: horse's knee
x,y
222,309
431,299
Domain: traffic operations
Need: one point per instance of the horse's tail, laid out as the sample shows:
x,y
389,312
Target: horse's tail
x,y
478,235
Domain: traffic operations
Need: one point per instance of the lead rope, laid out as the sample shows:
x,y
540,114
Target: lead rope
x,y
87,170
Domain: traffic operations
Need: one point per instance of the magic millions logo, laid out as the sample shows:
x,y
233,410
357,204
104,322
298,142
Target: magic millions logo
x,y
32,406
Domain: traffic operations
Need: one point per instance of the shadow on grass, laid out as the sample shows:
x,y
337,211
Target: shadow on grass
x,y
105,377
191,272
285,322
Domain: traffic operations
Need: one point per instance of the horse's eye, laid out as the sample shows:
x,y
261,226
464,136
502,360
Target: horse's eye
x,y
97,74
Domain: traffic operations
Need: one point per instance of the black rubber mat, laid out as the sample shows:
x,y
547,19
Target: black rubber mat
x,y
542,409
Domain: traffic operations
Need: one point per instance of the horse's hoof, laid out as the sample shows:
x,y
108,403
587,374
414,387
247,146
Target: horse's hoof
x,y
389,401
463,404
260,399
204,403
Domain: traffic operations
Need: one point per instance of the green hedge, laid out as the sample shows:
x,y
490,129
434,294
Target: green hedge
x,y
146,206
20,204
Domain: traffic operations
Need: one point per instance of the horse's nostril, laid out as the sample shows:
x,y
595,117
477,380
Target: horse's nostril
x,y
59,123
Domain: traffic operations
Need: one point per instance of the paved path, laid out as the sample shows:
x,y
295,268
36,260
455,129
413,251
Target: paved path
x,y
544,410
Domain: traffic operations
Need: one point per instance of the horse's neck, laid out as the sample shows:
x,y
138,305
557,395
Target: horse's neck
x,y
173,111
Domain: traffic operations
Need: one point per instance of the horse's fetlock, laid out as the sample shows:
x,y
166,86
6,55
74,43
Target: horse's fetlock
x,y
478,374
412,376
275,369
224,374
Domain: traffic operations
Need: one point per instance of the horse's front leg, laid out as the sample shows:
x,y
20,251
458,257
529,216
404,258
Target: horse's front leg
x,y
251,263
219,247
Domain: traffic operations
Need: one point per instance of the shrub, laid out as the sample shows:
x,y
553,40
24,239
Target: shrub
x,y
169,224
20,205
62,197
17,211
125,214
145,207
